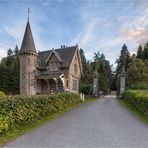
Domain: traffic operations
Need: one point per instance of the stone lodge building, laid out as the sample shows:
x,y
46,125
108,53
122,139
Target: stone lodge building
x,y
56,70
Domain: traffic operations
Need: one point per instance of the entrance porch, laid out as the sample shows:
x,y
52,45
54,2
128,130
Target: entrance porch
x,y
49,86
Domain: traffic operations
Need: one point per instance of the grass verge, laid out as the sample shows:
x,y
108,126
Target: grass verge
x,y
11,135
134,110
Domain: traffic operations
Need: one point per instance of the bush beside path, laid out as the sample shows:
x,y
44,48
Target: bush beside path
x,y
20,113
101,123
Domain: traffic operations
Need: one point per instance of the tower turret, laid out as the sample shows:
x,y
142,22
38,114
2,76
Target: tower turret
x,y
28,59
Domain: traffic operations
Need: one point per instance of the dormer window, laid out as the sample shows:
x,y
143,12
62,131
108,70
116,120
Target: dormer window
x,y
54,66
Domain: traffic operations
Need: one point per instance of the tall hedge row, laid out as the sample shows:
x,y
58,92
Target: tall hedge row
x,y
137,98
21,110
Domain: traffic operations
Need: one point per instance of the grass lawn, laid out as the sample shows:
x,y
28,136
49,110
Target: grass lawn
x,y
135,111
11,135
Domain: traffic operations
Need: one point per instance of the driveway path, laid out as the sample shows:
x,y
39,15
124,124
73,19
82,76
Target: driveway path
x,y
103,123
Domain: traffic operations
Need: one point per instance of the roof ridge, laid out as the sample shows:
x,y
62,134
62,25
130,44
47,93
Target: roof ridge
x,y
58,48
65,54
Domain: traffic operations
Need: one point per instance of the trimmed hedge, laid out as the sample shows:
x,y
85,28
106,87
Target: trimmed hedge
x,y
137,98
86,89
18,111
2,94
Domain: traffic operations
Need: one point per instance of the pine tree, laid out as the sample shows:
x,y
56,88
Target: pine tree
x,y
145,52
140,52
16,50
133,57
85,65
82,54
87,77
9,72
104,70
123,60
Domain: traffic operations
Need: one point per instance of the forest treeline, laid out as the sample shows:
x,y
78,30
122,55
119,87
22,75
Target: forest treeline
x,y
9,72
135,65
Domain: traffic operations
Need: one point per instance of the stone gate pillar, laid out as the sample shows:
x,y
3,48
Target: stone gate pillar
x,y
122,81
95,84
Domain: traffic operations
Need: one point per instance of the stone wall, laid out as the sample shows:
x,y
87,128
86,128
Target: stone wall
x,y
74,74
27,73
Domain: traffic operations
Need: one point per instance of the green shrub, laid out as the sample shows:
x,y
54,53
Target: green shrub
x,y
2,94
3,124
22,110
86,89
137,98
139,86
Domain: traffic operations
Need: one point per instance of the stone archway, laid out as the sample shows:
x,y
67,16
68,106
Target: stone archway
x,y
44,86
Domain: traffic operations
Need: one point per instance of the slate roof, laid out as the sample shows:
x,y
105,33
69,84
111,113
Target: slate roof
x,y
66,55
28,42
56,54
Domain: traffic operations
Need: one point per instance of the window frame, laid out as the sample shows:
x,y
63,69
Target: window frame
x,y
54,66
75,85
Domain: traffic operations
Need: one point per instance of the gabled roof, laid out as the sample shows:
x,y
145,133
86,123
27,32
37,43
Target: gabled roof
x,y
28,42
56,54
66,55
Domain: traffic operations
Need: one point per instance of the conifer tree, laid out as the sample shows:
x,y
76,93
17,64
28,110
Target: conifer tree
x,y
140,52
145,52
9,72
124,59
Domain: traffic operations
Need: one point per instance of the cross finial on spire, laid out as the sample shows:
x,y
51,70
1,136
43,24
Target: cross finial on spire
x,y
28,13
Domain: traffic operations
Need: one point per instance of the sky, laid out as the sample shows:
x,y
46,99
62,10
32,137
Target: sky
x,y
95,25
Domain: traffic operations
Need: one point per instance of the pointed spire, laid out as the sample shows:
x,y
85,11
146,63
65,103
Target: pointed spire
x,y
28,42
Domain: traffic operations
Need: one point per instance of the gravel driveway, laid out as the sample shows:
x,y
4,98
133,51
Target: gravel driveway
x,y
103,123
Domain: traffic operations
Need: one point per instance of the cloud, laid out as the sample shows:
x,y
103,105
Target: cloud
x,y
44,2
136,30
3,49
88,34
108,24
3,53
95,25
14,32
134,34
